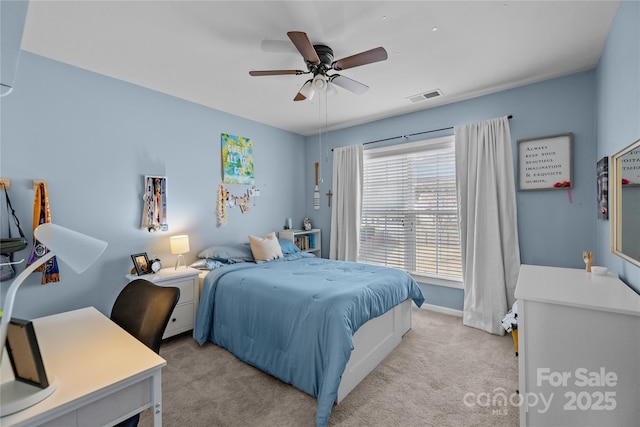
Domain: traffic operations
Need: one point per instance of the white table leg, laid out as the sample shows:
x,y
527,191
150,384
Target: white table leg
x,y
157,399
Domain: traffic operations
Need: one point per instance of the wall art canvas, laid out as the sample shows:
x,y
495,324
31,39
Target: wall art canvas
x,y
237,159
602,185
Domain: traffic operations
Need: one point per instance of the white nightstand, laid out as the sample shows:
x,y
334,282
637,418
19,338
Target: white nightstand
x,y
184,315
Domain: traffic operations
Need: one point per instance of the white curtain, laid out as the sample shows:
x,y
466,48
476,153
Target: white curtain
x,y
488,222
347,205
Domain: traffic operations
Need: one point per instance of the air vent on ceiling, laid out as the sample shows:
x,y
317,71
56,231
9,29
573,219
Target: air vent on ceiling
x,y
424,96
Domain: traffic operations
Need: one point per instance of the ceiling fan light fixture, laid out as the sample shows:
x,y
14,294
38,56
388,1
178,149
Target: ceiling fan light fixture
x,y
307,90
319,82
319,60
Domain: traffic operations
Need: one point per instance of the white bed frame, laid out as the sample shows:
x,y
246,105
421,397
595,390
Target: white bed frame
x,y
374,341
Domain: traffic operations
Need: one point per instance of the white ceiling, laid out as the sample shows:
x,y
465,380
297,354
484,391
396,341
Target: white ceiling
x,y
202,51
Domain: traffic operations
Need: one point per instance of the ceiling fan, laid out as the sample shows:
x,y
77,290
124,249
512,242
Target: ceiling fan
x,y
319,60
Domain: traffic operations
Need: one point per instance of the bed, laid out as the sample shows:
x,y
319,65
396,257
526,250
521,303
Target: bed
x,y
320,325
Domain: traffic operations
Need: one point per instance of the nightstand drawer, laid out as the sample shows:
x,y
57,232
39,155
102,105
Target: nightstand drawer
x,y
186,279
186,291
181,320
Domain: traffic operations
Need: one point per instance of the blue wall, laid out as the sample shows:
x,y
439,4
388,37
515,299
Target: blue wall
x,y
93,138
618,115
600,107
553,231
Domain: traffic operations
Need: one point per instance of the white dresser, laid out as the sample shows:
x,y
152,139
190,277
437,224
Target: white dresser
x,y
579,348
186,279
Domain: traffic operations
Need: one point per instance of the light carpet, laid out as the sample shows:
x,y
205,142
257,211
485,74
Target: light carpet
x,y
442,374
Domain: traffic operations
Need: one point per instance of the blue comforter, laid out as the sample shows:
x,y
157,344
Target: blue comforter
x,y
294,318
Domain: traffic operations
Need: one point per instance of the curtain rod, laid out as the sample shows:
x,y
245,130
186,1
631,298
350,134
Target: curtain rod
x,y
414,134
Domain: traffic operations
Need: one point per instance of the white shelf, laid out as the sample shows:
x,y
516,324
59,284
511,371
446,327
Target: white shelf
x,y
307,241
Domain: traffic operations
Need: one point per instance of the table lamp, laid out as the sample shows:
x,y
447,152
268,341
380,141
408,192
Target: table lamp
x,y
179,245
78,251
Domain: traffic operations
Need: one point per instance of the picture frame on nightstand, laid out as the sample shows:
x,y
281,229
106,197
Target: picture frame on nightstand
x,y
141,263
24,353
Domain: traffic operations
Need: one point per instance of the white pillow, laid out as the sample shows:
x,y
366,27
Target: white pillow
x,y
265,249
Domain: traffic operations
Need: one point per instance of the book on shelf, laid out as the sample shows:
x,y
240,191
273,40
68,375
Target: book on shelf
x,y
303,242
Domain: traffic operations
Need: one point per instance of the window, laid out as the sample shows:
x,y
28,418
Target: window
x,y
409,209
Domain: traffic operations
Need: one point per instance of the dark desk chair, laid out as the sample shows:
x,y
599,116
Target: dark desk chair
x,y
143,309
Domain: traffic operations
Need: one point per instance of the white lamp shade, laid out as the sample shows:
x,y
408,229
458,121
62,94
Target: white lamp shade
x,y
179,244
319,82
77,250
307,90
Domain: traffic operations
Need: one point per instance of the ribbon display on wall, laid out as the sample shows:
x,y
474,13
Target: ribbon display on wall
x,y
225,200
41,215
154,214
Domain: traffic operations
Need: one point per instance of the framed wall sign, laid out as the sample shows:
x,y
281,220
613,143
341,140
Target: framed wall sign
x,y
544,163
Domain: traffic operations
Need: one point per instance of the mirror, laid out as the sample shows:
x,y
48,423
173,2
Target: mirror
x,y
625,203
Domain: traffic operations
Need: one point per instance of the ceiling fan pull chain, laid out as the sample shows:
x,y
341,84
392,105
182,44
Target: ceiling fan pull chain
x,y
320,132
326,120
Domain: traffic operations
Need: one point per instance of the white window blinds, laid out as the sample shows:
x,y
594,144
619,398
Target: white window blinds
x,y
409,208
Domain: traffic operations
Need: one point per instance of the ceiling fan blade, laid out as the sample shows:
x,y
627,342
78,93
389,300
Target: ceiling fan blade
x,y
276,72
362,58
306,91
349,84
332,90
304,46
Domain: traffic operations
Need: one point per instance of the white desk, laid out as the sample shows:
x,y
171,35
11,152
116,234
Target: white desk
x,y
104,374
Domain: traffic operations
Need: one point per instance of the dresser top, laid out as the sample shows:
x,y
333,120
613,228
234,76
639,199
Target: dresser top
x,y
576,288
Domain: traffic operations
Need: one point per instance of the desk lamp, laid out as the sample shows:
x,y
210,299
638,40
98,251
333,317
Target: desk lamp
x,y
78,251
179,245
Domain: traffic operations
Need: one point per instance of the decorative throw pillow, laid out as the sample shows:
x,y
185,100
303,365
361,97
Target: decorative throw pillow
x,y
228,253
265,249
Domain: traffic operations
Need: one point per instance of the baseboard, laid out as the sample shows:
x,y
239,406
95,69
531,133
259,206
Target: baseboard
x,y
440,309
